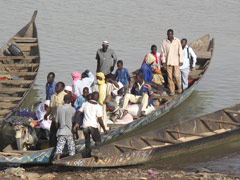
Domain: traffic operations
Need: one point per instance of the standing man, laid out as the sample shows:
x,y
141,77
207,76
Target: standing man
x,y
64,120
188,54
92,115
106,59
172,58
50,86
56,101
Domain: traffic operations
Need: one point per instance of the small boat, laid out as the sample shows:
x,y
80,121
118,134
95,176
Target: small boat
x,y
203,47
19,64
205,131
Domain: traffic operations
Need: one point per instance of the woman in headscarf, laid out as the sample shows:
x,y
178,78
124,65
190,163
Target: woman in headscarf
x,y
82,81
76,76
146,68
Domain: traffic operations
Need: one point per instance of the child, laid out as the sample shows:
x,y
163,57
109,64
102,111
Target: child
x,y
122,74
65,114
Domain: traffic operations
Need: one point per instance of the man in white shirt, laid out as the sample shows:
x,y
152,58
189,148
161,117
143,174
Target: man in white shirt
x,y
172,58
82,83
92,115
188,54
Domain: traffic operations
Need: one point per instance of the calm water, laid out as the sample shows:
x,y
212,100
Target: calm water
x,y
70,32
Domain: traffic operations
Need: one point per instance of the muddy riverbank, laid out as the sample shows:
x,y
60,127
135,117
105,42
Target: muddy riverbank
x,y
138,173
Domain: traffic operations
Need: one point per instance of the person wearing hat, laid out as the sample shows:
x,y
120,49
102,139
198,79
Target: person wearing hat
x,y
68,90
146,68
106,59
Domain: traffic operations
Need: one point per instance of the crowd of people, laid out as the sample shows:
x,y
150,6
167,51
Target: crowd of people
x,y
89,106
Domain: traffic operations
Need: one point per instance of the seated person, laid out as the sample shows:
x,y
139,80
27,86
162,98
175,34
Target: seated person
x,y
116,96
146,68
141,93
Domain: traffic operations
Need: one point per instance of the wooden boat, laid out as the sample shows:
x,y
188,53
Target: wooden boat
x,y
203,47
18,73
205,131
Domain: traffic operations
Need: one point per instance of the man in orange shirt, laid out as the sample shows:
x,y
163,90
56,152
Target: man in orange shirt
x,y
172,58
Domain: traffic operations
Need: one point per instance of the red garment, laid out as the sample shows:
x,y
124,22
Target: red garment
x,y
74,97
155,55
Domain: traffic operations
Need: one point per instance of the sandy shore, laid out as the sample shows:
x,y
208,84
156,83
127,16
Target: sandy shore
x,y
138,173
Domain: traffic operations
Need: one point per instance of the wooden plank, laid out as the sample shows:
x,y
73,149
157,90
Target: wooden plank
x,y
19,65
4,112
16,82
186,133
12,90
27,44
231,111
4,105
219,121
18,73
159,140
10,99
18,57
25,48
126,147
25,39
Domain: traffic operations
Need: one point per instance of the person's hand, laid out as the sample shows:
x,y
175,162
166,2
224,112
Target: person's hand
x,y
165,66
75,128
105,132
112,68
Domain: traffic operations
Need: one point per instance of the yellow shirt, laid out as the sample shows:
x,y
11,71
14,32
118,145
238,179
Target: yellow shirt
x,y
172,52
56,101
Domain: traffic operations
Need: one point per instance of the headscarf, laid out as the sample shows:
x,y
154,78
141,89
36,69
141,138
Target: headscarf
x,y
100,84
150,59
76,76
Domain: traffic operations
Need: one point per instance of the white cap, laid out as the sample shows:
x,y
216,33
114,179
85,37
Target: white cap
x,y
105,42
47,102
68,88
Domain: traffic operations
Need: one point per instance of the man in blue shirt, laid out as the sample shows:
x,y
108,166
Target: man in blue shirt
x,y
141,93
50,86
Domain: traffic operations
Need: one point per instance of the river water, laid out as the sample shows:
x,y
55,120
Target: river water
x,y
70,32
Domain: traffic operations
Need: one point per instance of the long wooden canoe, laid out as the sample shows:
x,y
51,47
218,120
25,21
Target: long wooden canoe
x,y
202,132
203,47
18,73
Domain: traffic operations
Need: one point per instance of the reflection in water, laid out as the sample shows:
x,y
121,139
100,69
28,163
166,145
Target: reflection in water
x,y
222,158
32,98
